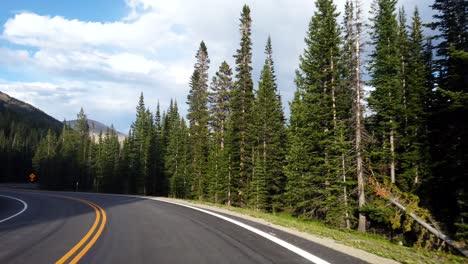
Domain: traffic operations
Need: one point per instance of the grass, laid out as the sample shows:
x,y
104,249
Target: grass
x,y
368,242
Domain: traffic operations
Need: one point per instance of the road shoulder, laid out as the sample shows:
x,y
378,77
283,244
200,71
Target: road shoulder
x,y
327,242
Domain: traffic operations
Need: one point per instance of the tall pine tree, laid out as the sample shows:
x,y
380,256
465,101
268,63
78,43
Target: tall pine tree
x,y
242,103
386,100
220,111
449,116
313,169
414,162
269,143
198,121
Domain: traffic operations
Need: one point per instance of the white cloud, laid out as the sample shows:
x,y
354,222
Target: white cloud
x,y
147,33
104,66
14,57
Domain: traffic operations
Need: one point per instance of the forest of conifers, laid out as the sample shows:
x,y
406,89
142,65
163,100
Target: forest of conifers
x,y
339,158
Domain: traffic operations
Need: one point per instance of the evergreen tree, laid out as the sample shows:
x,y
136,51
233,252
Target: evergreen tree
x,y
448,116
345,125
242,103
149,153
83,179
160,181
220,111
269,140
124,164
415,153
46,149
110,151
44,156
313,159
198,120
99,168
387,98
141,129
176,157
403,50
69,163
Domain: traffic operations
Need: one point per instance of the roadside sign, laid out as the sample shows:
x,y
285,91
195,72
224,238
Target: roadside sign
x,y
32,176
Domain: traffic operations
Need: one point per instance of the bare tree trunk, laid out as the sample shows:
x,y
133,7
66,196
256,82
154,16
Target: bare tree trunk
x,y
222,136
431,229
335,129
358,118
229,182
216,181
332,68
345,193
405,90
392,154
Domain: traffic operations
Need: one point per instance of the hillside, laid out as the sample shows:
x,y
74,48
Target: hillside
x,y
21,127
14,109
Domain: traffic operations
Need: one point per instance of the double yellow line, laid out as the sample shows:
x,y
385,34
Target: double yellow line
x,y
83,246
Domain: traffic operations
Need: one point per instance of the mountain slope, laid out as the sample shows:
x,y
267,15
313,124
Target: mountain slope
x,y
13,109
21,127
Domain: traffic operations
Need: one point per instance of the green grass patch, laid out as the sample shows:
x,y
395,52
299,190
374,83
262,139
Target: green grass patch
x,y
371,243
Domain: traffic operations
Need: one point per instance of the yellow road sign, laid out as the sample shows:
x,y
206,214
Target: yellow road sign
x,y
32,176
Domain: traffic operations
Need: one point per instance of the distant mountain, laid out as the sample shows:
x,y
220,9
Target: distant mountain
x,y
95,127
21,128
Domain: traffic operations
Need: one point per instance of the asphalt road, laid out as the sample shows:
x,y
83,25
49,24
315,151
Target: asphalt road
x,y
64,227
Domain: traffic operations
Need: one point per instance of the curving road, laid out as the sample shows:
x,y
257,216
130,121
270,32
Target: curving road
x,y
64,227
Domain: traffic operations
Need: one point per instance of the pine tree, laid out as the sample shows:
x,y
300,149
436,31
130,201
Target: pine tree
x,y
110,154
160,181
387,98
415,153
220,111
403,50
345,103
42,161
141,132
70,149
269,140
176,157
99,172
46,149
149,150
198,120
314,118
83,178
242,102
448,116
125,170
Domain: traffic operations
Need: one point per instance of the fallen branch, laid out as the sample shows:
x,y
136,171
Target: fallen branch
x,y
431,229
388,195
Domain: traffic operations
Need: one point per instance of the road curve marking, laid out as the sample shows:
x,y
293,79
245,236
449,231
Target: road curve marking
x,y
93,240
100,220
25,207
259,232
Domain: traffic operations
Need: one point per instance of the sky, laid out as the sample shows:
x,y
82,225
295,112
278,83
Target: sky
x,y
101,54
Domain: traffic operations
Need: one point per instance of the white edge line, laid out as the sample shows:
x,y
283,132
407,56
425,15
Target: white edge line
x,y
274,239
25,207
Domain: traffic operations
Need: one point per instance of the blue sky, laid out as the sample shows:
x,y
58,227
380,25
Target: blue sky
x,y
100,54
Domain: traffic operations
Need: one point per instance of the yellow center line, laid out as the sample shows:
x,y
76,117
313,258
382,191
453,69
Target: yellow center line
x,y
93,240
99,211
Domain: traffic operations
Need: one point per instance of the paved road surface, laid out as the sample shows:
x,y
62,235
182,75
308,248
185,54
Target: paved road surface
x,y
64,227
